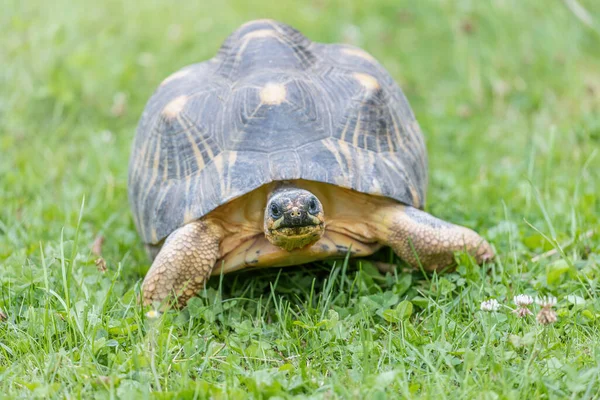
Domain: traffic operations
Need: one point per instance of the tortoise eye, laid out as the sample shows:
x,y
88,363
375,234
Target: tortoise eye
x,y
313,207
275,211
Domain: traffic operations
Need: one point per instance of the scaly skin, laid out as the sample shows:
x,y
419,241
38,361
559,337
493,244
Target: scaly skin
x,y
183,265
423,240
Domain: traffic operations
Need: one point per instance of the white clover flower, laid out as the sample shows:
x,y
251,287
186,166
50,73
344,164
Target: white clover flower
x,y
547,315
152,314
490,305
546,302
523,300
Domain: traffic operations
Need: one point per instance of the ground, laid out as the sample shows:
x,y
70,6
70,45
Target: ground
x,y
508,95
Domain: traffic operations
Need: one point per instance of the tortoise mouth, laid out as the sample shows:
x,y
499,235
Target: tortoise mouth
x,y
298,231
295,237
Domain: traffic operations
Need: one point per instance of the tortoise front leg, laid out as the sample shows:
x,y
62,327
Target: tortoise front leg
x,y
183,265
421,239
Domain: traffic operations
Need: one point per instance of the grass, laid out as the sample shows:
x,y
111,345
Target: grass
x,y
508,95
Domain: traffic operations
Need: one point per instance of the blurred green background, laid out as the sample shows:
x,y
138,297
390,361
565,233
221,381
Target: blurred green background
x,y
507,93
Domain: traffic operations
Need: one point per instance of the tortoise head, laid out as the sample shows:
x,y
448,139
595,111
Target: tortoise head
x,y
294,218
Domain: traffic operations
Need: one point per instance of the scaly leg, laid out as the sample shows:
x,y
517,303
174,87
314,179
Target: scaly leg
x,y
183,265
420,238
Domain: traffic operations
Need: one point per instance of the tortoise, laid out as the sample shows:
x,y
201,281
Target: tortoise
x,y
281,151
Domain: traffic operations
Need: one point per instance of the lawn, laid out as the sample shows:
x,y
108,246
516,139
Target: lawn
x,y
508,95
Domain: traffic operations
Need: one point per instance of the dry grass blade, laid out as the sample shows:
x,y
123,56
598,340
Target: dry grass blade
x,y
97,246
580,12
554,251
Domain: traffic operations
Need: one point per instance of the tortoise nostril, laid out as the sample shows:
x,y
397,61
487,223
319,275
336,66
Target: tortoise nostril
x,y
295,212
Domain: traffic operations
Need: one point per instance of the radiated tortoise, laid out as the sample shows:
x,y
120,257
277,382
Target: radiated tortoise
x,y
281,151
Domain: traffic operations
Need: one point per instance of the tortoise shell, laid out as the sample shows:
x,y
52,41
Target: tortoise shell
x,y
271,106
